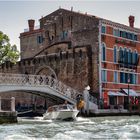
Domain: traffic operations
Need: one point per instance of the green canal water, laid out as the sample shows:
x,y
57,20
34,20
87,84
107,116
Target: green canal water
x,y
121,128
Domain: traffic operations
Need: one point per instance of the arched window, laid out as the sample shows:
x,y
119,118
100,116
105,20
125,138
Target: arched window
x,y
135,58
130,56
134,78
115,76
121,55
103,52
104,75
115,54
125,57
122,77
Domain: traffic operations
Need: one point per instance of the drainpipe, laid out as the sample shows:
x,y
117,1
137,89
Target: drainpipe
x,y
100,50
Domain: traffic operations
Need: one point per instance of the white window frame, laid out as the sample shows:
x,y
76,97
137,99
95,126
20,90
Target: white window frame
x,y
104,76
102,53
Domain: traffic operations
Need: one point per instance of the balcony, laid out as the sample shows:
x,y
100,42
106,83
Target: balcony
x,y
125,42
131,65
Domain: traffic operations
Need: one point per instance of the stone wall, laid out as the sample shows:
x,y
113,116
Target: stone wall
x,y
69,51
8,117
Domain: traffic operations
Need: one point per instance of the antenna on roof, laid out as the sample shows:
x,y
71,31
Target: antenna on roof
x,y
59,7
72,8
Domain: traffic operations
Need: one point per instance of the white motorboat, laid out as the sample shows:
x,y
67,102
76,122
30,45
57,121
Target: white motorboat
x,y
61,112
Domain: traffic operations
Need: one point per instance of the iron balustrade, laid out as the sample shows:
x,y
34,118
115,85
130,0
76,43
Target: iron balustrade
x,y
38,80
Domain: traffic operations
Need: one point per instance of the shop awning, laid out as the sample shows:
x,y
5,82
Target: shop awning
x,y
111,93
131,92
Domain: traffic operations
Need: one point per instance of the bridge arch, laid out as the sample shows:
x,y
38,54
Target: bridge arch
x,y
45,85
49,93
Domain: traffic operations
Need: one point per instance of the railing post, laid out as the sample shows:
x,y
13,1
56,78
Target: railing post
x,y
0,103
13,104
86,100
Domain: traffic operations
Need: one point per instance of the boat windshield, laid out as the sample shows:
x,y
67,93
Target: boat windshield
x,y
63,107
66,106
60,107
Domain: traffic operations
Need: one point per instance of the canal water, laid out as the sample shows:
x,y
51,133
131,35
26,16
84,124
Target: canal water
x,y
83,129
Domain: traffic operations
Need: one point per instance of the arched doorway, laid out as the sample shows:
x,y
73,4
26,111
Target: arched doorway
x,y
46,70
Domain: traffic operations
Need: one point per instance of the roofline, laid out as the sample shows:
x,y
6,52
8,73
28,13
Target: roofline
x,y
119,25
82,14
31,32
106,21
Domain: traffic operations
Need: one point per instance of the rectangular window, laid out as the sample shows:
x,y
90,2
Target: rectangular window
x,y
115,76
124,34
104,76
131,78
112,100
39,39
121,33
122,77
126,77
103,29
115,54
115,32
134,79
135,37
130,36
103,55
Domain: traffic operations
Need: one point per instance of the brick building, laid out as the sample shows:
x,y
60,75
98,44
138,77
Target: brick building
x,y
120,61
80,50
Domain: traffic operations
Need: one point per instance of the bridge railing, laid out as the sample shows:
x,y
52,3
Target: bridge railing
x,y
92,99
38,80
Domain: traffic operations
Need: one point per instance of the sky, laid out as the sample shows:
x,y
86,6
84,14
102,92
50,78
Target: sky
x,y
15,14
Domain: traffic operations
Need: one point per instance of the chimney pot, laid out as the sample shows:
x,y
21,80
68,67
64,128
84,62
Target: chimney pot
x,y
131,21
31,23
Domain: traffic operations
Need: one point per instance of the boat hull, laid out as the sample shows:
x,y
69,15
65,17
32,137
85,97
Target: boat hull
x,y
61,115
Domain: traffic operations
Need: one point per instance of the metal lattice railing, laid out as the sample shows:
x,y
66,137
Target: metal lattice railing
x,y
38,80
92,99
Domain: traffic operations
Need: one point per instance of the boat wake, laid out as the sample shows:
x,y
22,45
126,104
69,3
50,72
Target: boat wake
x,y
33,120
18,137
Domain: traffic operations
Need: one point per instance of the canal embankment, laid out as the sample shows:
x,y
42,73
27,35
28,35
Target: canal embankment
x,y
8,113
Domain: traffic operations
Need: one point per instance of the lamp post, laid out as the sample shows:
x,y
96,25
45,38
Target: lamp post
x,y
128,90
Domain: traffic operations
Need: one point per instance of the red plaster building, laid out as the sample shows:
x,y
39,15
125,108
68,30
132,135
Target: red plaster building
x,y
119,62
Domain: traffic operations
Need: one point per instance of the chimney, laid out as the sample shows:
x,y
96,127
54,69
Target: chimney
x,y
31,23
131,21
